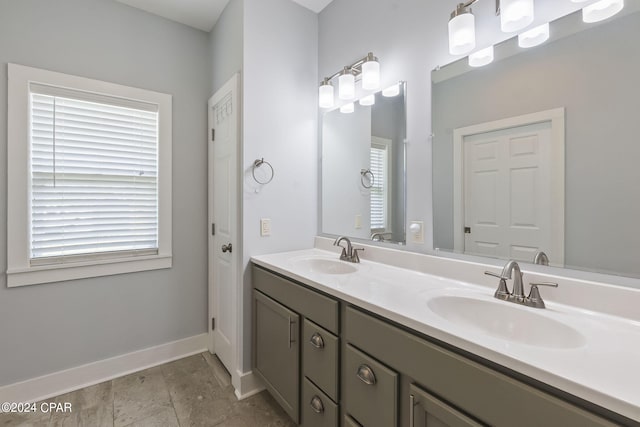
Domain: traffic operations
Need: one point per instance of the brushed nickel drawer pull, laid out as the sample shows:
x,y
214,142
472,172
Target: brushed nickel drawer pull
x,y
412,405
317,341
366,375
316,405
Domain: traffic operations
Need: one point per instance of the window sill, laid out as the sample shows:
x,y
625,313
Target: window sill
x,y
83,270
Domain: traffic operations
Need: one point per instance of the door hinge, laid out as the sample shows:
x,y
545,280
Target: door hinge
x,y
213,323
213,134
467,230
213,229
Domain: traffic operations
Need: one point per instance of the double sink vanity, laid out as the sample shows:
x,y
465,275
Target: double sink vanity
x,y
408,339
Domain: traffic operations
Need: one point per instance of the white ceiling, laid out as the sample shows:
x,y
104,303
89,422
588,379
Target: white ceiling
x,y
200,14
315,5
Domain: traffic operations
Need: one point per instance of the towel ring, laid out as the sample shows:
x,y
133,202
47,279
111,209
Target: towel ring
x,y
371,179
258,163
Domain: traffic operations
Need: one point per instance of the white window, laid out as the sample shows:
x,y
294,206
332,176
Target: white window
x,y
380,161
89,178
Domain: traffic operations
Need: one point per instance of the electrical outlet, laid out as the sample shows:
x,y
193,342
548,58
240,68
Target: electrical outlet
x,y
265,227
358,224
416,228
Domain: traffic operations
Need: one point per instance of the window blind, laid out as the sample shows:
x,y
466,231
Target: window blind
x,y
94,177
379,190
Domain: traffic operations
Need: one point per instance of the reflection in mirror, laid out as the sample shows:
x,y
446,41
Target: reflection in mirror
x,y
363,169
538,151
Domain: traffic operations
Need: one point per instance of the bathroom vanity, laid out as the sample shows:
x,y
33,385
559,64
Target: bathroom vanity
x,y
371,344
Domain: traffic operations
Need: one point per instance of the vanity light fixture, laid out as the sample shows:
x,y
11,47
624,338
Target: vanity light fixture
x,y
391,91
514,15
366,69
534,36
347,108
347,84
462,30
601,10
371,73
325,94
368,100
482,57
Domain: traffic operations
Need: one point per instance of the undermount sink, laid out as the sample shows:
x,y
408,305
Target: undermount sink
x,y
506,321
325,265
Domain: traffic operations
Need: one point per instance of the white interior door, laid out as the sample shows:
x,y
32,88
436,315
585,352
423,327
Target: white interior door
x,y
224,250
513,189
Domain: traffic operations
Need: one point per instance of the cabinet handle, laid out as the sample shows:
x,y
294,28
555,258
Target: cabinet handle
x,y
291,340
316,405
317,341
366,375
412,404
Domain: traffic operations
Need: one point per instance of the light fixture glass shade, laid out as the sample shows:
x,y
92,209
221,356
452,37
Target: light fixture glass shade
x,y
515,14
368,100
601,10
462,34
347,108
325,95
481,58
534,36
391,91
371,74
346,85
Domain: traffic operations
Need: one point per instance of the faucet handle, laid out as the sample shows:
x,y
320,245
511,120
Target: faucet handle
x,y
354,256
491,273
550,284
534,299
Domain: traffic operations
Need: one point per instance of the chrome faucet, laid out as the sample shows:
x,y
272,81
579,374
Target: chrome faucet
x,y
349,253
541,258
377,237
512,269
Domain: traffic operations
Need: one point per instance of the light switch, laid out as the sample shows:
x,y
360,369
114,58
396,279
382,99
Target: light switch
x,y
358,221
265,227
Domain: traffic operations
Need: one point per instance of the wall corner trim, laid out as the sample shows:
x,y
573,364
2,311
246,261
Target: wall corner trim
x,y
246,384
61,382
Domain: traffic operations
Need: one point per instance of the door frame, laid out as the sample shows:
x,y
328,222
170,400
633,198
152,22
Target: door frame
x,y
557,118
233,86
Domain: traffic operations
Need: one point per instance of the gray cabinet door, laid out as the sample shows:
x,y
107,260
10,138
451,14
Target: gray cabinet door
x,y
371,390
429,411
277,351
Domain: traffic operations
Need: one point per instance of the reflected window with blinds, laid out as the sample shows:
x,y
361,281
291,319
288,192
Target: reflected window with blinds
x,y
380,161
94,176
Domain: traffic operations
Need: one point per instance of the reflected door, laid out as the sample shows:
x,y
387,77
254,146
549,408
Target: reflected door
x,y
507,192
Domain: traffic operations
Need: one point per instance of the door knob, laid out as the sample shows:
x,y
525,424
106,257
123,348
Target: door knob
x,y
227,248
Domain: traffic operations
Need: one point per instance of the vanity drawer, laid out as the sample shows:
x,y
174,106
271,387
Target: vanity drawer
x,y
317,409
371,390
320,350
317,307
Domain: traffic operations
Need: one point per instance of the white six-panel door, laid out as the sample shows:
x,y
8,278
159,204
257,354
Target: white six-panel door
x,y
512,189
224,250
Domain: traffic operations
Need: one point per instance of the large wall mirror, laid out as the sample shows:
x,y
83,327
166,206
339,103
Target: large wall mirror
x,y
363,170
539,150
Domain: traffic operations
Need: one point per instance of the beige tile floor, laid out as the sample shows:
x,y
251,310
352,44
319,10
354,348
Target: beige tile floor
x,y
194,391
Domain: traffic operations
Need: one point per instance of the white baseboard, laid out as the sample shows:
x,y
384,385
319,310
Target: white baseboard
x,y
61,382
246,385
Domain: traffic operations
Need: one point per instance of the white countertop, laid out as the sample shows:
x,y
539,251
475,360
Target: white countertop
x,y
604,368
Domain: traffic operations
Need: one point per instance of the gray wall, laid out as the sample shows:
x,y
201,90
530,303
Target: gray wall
x,y
592,74
280,124
226,40
47,328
